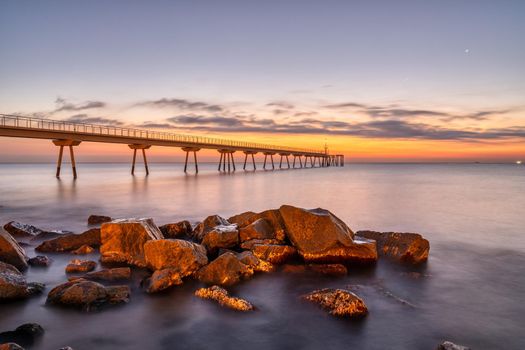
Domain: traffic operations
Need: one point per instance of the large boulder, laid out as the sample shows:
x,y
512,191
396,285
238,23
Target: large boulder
x,y
162,279
259,229
338,302
222,236
87,295
11,252
183,257
272,217
13,284
408,247
123,240
207,225
274,253
226,270
25,334
221,296
71,241
176,230
241,219
320,236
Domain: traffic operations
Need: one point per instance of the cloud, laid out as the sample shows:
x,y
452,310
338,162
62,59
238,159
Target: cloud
x,y
345,105
64,105
84,118
184,105
281,105
205,120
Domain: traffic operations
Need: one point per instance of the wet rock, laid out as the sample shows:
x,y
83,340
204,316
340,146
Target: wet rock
x,y
10,346
83,250
274,253
335,270
87,295
408,247
448,345
208,225
338,302
71,241
162,279
25,334
176,230
258,265
221,296
248,245
110,275
320,236
288,268
222,236
77,265
183,256
241,219
98,219
123,240
66,348
226,270
13,284
40,261
259,229
20,230
273,218
11,252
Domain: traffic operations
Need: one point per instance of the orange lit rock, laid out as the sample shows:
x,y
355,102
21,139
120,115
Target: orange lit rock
x,y
77,265
123,240
163,279
409,247
259,229
207,225
71,241
11,252
338,302
241,219
222,236
10,346
273,219
225,270
176,230
248,245
274,253
116,274
258,265
221,296
13,284
83,250
182,256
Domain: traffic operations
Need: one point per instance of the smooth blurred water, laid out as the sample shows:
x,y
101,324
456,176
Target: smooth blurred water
x,y
471,291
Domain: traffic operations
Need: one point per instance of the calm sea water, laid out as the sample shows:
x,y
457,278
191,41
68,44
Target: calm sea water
x,y
470,292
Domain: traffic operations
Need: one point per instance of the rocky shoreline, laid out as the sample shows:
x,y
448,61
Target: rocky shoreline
x,y
218,252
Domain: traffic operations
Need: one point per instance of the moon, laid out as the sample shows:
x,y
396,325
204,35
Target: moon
x,y
467,50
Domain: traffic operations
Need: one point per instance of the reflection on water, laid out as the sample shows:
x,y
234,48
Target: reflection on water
x,y
470,291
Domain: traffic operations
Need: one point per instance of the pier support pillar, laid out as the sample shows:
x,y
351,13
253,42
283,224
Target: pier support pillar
x,y
136,147
252,153
70,144
266,154
194,150
286,155
226,157
295,156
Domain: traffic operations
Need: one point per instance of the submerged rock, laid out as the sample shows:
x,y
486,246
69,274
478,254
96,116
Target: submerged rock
x,y
259,229
11,252
98,219
226,270
221,296
320,236
447,345
123,240
13,284
77,265
10,346
25,334
208,225
71,241
162,279
176,230
338,302
182,256
274,253
87,294
116,274
40,261
222,236
335,270
83,250
408,247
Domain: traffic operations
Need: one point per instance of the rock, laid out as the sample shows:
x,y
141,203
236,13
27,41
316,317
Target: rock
x,y
98,219
408,247
259,229
226,270
338,302
11,252
273,218
17,229
25,334
123,240
71,241
294,268
258,265
320,236
182,256
77,265
87,294
248,245
335,270
221,296
83,250
10,346
447,345
40,261
241,219
162,279
274,253
116,274
66,348
222,236
208,225
176,230
13,284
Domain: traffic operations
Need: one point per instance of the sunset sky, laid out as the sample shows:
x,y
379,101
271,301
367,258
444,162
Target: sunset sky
x,y
376,80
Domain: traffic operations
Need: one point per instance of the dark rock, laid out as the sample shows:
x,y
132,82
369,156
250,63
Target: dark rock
x,y
18,229
274,253
76,266
221,296
408,247
222,236
25,334
162,279
447,345
83,250
176,230
207,225
116,274
335,270
11,252
98,219
338,302
13,284
259,229
321,237
87,294
182,256
226,270
10,346
258,265
123,240
248,245
39,261
71,241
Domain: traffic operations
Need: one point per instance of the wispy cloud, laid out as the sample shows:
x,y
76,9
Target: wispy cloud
x,y
281,105
63,105
84,118
184,104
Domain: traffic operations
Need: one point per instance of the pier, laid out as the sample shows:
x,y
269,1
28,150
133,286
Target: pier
x,y
71,135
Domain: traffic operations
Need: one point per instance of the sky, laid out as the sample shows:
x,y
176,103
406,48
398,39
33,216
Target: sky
x,y
375,80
